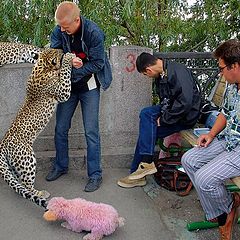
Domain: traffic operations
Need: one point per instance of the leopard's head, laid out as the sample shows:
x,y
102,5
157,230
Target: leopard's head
x,y
51,74
48,60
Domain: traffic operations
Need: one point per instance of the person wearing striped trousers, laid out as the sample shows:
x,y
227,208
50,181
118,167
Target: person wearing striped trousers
x,y
217,156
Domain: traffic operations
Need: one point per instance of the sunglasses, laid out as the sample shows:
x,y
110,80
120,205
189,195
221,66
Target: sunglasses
x,y
221,68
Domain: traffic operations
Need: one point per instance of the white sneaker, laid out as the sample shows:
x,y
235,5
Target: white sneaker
x,y
127,183
143,170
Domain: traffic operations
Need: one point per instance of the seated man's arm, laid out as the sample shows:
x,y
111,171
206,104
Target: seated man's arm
x,y
186,97
205,139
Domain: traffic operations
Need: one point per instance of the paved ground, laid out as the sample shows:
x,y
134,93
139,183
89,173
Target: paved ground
x,y
21,219
176,212
151,213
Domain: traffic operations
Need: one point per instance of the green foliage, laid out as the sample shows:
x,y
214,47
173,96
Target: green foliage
x,y
27,21
213,22
164,25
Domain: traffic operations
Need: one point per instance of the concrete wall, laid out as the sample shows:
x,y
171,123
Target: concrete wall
x,y
120,107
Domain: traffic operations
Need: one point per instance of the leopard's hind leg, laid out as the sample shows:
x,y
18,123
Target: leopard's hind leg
x,y
23,161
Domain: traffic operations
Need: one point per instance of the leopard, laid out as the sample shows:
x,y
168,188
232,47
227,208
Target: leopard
x,y
14,52
48,84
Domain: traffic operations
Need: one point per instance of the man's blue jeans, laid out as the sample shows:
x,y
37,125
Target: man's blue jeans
x,y
90,114
149,132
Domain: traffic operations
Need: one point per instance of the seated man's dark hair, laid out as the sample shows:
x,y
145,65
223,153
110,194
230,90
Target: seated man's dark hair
x,y
145,60
229,51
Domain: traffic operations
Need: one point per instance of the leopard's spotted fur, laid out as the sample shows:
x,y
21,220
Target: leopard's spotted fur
x,y
18,53
48,83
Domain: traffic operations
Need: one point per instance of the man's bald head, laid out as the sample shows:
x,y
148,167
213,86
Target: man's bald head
x,y
66,12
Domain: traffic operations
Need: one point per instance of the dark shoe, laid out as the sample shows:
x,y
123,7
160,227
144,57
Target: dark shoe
x,y
226,230
93,184
54,174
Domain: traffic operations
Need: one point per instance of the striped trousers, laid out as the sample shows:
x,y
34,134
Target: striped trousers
x,y
208,169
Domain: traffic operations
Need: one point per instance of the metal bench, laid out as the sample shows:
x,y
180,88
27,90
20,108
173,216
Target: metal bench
x,y
216,98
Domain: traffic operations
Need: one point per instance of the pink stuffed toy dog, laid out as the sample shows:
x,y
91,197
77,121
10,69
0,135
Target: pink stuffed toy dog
x,y
98,218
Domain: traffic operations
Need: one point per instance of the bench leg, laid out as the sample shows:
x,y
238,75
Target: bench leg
x,y
203,225
236,180
206,224
172,148
233,188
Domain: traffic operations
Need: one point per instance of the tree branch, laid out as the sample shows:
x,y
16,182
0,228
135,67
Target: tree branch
x,y
125,25
197,45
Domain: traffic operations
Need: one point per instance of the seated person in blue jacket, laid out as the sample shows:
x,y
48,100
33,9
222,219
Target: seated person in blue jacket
x,y
178,109
217,156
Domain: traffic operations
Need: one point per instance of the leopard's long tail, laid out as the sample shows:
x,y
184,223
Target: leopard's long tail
x,y
11,180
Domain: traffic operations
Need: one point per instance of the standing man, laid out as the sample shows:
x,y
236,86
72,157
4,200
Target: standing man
x,y
217,157
91,69
178,109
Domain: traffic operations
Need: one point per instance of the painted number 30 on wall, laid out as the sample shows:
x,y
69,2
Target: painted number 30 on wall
x,y
131,58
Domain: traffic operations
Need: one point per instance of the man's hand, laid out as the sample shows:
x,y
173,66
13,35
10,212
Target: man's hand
x,y
158,122
204,140
77,62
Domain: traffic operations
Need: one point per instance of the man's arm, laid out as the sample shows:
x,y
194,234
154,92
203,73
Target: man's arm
x,y
183,94
96,57
205,139
96,54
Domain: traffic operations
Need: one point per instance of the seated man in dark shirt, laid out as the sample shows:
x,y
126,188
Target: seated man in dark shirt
x,y
178,110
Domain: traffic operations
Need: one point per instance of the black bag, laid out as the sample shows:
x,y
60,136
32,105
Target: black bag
x,y
206,109
169,177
